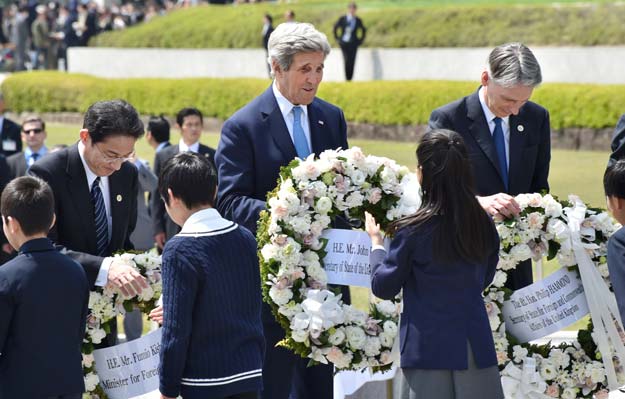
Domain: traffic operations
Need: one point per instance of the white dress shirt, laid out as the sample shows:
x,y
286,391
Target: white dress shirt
x,y
505,125
102,278
286,108
182,147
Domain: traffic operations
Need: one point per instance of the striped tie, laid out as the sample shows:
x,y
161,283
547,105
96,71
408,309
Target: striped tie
x,y
101,225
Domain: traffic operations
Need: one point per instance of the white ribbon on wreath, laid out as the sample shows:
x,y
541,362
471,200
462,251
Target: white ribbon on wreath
x,y
601,302
525,383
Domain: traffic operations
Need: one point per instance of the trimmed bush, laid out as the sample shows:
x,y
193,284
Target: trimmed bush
x,y
392,103
208,26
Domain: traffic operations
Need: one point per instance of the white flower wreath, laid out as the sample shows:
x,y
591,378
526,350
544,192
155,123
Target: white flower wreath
x,y
568,370
310,194
106,304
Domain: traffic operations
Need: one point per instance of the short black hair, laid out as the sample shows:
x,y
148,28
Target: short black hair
x,y
614,180
191,177
159,128
30,201
112,118
183,113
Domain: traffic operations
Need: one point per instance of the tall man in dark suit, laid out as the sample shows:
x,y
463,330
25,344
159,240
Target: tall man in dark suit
x,y
284,122
190,122
10,140
507,136
349,32
95,193
43,302
34,135
157,134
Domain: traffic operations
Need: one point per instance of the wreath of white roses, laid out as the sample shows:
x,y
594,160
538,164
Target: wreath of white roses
x,y
569,370
310,194
106,304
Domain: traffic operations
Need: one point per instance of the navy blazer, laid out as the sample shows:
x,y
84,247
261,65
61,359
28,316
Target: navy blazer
x,y
443,304
75,222
254,145
616,266
530,145
43,307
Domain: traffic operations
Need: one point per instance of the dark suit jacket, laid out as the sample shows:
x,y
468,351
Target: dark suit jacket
x,y
530,145
161,222
618,142
43,307
443,304
17,165
75,225
616,266
10,131
254,145
5,178
358,35
266,37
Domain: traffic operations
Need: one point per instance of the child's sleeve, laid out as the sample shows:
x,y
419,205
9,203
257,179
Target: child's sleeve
x,y
180,282
616,267
390,271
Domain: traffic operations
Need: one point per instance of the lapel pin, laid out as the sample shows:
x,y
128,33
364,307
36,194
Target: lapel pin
x,y
520,128
119,198
320,122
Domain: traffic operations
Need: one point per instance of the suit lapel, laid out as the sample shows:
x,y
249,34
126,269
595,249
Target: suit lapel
x,y
317,123
517,143
480,131
21,169
274,124
80,195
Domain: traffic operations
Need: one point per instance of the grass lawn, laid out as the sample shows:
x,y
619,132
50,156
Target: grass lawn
x,y
578,172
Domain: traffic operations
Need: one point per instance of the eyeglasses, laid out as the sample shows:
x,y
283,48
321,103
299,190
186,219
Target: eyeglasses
x,y
108,159
29,131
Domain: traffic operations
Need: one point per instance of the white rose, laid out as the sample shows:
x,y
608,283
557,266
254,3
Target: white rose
x,y
280,297
387,339
596,373
390,327
569,393
354,200
87,360
91,382
358,177
300,224
519,353
386,307
553,209
316,272
356,337
337,337
354,316
341,360
547,370
323,205
521,252
372,346
559,358
500,279
290,309
535,220
559,230
97,335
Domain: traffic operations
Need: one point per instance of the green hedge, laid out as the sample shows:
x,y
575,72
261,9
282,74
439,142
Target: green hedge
x,y
450,26
405,102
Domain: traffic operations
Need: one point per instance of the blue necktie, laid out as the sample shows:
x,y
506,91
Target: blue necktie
x,y
500,146
101,225
299,138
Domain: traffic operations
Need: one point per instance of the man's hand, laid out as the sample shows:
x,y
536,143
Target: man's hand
x,y
373,229
159,238
500,205
157,314
126,279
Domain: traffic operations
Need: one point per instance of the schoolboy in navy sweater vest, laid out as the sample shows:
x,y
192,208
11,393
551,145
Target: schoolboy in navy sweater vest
x,y
213,344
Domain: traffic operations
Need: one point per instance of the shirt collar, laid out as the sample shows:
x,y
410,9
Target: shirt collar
x,y
90,175
182,147
42,151
285,105
487,112
36,245
204,221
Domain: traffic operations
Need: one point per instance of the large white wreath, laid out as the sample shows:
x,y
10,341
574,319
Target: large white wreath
x,y
106,304
309,195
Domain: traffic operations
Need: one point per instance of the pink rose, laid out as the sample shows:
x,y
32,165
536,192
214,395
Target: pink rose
x,y
280,211
602,394
553,390
279,239
375,196
308,239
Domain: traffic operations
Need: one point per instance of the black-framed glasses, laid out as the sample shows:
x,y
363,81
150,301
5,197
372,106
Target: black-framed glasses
x,y
109,159
36,131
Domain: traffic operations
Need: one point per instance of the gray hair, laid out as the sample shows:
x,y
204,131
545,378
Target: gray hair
x,y
292,38
513,64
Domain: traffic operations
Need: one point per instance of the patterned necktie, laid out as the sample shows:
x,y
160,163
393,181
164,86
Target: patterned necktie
x,y
500,146
101,225
33,158
299,138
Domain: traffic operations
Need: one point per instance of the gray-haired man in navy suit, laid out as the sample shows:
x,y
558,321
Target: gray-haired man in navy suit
x,y
507,136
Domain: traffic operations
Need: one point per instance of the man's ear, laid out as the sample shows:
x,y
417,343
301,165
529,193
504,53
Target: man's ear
x,y
620,203
53,220
484,78
171,198
275,67
84,135
12,224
